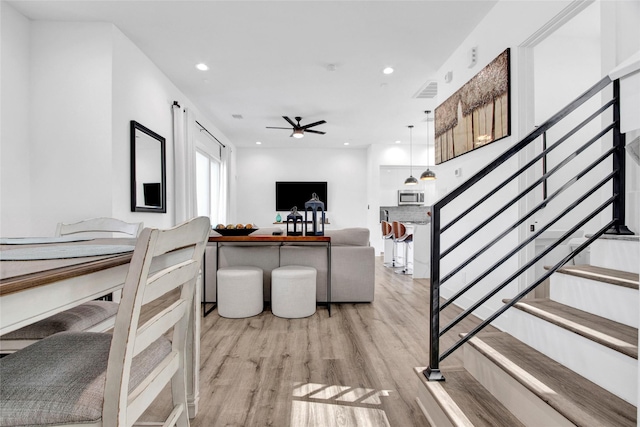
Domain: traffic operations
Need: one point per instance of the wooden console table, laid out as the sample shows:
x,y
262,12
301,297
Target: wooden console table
x,y
272,239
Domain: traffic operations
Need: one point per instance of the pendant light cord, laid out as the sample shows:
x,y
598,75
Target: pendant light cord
x,y
428,174
411,150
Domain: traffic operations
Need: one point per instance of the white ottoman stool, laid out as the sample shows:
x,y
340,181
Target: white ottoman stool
x,y
240,291
293,291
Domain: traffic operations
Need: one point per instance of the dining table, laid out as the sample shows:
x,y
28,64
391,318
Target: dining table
x,y
43,276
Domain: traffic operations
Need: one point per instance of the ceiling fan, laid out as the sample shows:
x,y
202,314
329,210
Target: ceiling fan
x,y
299,130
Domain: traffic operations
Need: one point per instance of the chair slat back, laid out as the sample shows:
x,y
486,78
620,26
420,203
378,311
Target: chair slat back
x,y
159,324
160,284
387,230
100,225
397,232
165,263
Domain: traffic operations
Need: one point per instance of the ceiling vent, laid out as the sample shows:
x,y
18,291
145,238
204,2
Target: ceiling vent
x,y
429,90
237,116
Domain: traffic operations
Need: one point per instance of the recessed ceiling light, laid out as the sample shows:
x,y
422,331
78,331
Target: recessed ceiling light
x,y
346,143
388,70
202,67
258,143
398,142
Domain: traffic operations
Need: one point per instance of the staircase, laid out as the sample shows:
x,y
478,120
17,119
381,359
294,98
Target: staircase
x,y
570,359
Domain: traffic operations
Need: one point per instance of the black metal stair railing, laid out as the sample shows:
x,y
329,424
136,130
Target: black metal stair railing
x,y
579,213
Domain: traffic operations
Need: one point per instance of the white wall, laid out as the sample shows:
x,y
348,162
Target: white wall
x,y
141,93
490,42
70,123
620,40
556,84
499,30
69,93
15,169
259,168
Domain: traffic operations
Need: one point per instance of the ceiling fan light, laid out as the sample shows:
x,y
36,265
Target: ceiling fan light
x,y
428,175
410,181
298,133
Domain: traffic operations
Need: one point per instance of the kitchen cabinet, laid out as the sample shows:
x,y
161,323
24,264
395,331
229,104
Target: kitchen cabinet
x,y
421,251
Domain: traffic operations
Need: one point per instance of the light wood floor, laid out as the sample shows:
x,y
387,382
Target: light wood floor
x,y
354,368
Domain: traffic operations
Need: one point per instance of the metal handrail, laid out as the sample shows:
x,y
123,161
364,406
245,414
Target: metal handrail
x,y
515,149
528,215
528,240
523,193
615,177
542,156
531,263
527,290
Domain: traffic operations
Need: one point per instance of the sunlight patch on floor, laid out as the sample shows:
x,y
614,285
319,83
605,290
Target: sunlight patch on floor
x,y
335,405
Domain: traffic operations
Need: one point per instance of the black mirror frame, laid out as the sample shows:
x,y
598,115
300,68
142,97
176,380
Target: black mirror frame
x,y
163,205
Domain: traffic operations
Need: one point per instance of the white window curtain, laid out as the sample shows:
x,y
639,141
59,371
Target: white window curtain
x,y
184,166
212,176
209,187
223,206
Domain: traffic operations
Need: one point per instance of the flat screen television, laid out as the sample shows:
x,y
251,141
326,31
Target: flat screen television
x,y
297,193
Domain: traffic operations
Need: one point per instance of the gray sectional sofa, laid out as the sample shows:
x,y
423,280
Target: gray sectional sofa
x,y
352,263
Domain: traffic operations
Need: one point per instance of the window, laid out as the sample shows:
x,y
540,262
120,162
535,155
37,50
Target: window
x,y
208,188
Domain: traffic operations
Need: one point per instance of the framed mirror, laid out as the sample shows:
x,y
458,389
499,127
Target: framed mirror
x,y
148,170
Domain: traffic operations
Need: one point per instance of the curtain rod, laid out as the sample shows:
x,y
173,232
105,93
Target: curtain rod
x,y
205,129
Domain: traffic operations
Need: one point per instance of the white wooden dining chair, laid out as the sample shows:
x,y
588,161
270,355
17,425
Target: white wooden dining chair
x,y
93,316
101,379
100,225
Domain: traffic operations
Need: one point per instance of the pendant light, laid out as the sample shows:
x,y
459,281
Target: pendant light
x,y
428,175
411,180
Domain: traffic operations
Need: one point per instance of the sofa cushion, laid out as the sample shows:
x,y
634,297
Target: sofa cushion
x,y
356,236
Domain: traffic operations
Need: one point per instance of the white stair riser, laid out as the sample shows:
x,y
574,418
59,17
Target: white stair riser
x,y
430,408
616,254
608,368
521,402
617,303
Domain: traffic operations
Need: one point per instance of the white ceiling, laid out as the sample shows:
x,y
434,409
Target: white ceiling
x,y
270,59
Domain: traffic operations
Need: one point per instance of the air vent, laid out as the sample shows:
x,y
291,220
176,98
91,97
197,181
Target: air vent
x,y
429,90
237,116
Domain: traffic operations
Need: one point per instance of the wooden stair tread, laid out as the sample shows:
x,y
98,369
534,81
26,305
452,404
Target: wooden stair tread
x,y
601,274
617,336
461,389
578,399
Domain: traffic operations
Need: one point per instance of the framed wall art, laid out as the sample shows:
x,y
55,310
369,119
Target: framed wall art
x,y
477,114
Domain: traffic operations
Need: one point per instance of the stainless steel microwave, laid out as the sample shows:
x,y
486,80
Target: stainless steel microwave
x,y
410,197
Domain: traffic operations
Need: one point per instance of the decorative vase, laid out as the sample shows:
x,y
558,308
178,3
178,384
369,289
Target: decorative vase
x,y
278,218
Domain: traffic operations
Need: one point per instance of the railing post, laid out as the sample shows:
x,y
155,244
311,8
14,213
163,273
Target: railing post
x,y
544,165
432,373
619,166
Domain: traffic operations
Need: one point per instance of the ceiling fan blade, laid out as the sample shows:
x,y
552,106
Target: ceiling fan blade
x,y
271,127
314,131
290,122
313,124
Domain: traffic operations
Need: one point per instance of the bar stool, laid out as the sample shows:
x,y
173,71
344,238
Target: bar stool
x,y
389,246
400,236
